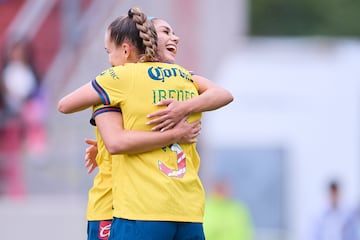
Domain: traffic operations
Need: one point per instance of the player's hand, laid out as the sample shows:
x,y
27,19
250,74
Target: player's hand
x,y
168,117
189,131
90,155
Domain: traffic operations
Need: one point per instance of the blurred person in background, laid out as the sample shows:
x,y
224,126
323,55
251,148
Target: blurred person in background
x,y
330,224
225,218
22,108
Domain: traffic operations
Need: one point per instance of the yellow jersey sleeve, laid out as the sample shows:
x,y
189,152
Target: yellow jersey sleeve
x,y
113,85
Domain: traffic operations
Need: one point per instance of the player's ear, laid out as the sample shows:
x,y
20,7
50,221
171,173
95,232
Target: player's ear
x,y
126,50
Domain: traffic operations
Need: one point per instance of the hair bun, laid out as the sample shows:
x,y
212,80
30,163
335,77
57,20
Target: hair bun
x,y
130,13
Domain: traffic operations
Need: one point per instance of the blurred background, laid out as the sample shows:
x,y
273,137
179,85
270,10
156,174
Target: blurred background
x,y
294,126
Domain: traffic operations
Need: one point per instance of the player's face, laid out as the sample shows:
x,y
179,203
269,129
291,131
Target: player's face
x,y
115,53
167,41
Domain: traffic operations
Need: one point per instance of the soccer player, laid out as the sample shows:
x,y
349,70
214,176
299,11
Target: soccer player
x,y
113,111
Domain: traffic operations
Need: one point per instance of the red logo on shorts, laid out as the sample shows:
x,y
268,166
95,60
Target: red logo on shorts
x,y
104,230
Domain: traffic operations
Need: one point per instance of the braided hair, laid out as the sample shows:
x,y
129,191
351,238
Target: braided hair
x,y
139,30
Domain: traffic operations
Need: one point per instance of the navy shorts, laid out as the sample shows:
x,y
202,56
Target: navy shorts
x,y
123,229
99,230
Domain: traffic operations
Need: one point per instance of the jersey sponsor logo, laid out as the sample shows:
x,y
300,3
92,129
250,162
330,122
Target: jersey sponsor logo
x,y
104,230
160,74
181,163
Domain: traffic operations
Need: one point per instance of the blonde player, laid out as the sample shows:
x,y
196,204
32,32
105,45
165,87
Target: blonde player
x,y
173,148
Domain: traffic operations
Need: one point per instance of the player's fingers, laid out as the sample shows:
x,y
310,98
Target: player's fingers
x,y
90,141
91,169
197,122
157,113
169,126
157,120
88,163
197,131
165,102
160,126
192,138
88,149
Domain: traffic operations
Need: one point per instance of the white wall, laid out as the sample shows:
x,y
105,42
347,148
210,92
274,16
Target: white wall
x,y
303,95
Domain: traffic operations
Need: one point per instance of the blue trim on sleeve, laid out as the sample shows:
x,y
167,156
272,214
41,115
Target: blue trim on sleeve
x,y
102,110
103,95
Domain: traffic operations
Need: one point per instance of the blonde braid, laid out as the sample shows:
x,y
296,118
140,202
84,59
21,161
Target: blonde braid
x,y
147,33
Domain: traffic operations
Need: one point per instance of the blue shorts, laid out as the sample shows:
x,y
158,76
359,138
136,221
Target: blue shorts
x,y
99,230
123,229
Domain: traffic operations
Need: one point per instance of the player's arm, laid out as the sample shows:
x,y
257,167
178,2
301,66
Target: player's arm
x,y
212,97
118,140
150,139
78,100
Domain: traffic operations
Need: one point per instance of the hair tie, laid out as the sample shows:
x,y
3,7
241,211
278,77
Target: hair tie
x,y
130,13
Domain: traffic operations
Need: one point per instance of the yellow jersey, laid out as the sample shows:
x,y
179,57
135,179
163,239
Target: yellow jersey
x,y
163,184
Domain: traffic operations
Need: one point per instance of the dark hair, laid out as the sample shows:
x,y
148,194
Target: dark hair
x,y
333,185
137,29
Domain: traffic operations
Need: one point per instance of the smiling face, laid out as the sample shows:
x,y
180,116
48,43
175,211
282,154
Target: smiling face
x,y
167,41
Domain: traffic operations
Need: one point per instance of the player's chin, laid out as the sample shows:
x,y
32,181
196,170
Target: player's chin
x,y
170,59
